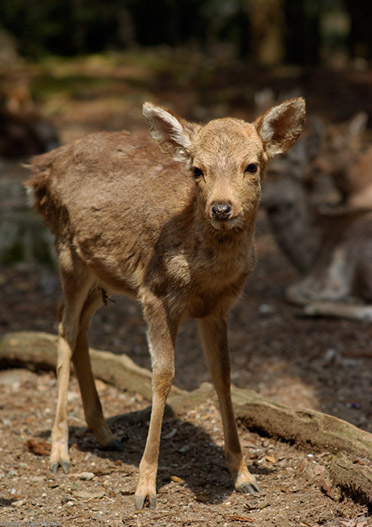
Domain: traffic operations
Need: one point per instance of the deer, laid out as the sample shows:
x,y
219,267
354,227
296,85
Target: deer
x,y
169,222
330,244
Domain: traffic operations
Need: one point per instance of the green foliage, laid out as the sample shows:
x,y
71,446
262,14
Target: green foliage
x,y
73,27
65,27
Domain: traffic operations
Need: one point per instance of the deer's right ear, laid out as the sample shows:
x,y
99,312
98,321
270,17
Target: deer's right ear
x,y
172,133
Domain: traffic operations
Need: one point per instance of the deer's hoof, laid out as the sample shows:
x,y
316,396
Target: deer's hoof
x,y
248,488
59,457
142,501
64,464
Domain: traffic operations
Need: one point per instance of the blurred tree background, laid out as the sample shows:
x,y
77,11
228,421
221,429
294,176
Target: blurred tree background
x,y
89,64
267,32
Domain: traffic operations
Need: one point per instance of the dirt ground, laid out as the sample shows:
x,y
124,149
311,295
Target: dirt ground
x,y
323,364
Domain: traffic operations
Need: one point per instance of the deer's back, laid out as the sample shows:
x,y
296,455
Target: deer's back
x,y
110,192
109,183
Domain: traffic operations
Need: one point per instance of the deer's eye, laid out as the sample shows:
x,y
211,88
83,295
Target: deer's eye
x,y
251,168
197,172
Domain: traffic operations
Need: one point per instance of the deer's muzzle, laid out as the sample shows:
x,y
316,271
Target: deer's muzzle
x,y
221,211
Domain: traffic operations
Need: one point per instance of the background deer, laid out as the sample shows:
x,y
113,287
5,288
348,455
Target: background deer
x,y
331,245
173,229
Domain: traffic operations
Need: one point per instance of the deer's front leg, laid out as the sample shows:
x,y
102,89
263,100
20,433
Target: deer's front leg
x,y
213,333
161,337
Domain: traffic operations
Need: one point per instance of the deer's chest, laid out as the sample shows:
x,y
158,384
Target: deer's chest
x,y
203,284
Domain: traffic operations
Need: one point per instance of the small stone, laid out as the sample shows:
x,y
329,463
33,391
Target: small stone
x,y
36,478
266,309
72,396
86,476
18,503
330,355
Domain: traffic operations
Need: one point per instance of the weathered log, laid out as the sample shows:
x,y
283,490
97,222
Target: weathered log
x,y
351,448
304,427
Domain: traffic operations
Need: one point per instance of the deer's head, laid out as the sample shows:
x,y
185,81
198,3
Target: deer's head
x,y
227,157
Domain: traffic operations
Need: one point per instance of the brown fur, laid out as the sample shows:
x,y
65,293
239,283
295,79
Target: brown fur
x,y
128,219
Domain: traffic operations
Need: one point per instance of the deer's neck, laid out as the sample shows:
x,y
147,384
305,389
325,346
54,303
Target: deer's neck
x,y
227,252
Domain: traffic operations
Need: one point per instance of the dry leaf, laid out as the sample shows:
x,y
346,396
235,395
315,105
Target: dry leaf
x,y
100,385
253,506
202,497
239,518
38,447
176,479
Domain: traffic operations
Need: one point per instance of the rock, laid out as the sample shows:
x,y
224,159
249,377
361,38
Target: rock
x,y
86,476
18,503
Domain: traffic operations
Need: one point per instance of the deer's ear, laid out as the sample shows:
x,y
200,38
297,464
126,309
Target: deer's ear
x,y
173,134
280,127
357,125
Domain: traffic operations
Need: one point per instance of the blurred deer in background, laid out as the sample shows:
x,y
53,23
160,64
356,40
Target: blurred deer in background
x,y
172,228
23,130
331,245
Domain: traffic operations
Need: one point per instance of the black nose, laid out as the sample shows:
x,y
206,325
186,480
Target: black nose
x,y
221,211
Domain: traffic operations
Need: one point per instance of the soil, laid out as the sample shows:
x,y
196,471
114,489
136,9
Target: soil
x,y
324,364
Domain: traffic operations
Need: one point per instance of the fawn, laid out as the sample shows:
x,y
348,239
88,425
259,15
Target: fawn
x,y
173,228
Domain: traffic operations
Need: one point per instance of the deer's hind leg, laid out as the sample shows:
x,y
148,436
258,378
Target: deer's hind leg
x,y
81,360
76,281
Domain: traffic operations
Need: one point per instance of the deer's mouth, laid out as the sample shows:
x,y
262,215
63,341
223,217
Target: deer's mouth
x,y
226,224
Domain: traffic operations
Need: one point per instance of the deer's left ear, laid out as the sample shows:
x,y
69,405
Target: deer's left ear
x,y
280,127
